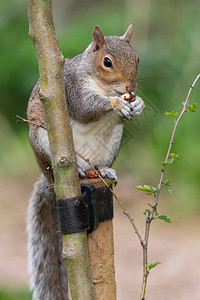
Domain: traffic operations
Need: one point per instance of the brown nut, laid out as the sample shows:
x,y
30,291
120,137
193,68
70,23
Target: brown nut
x,y
92,174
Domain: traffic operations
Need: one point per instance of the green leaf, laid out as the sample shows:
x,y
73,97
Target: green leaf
x,y
178,156
164,218
169,189
111,182
167,185
145,188
171,159
169,162
154,207
175,115
153,265
150,190
139,187
192,107
171,114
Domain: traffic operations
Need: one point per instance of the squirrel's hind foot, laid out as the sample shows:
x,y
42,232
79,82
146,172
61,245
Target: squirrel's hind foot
x,y
105,172
81,173
109,173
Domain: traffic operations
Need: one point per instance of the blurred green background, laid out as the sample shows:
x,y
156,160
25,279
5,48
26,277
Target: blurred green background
x,y
167,38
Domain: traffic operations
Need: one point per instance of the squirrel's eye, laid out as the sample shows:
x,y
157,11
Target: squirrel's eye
x,y
107,62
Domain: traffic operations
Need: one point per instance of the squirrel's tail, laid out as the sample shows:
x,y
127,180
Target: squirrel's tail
x,y
46,267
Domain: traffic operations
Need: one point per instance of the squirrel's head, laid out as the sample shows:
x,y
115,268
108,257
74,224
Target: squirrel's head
x,y
114,61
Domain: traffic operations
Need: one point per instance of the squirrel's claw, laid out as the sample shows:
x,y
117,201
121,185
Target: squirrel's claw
x,y
81,172
125,109
109,173
137,106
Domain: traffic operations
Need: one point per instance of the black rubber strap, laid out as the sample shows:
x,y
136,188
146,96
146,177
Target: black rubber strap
x,y
90,191
85,212
73,214
104,200
100,204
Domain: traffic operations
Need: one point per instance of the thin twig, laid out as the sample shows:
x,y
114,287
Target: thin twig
x,y
47,187
22,120
150,216
118,200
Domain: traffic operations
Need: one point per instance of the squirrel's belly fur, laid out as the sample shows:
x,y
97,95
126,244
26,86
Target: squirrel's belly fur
x,y
98,141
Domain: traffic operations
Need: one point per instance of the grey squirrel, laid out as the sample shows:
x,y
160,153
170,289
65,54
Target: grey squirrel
x,y
95,82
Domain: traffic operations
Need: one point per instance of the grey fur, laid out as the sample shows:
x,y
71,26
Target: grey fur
x,y
48,278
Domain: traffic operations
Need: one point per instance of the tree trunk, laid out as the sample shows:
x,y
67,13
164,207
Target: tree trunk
x,y
52,95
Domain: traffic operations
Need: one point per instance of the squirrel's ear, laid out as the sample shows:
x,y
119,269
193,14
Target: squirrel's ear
x,y
128,34
98,38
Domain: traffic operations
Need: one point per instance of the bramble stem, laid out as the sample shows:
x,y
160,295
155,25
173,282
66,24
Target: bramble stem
x,y
149,218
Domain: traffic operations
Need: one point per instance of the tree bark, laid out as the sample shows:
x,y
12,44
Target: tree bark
x,y
52,95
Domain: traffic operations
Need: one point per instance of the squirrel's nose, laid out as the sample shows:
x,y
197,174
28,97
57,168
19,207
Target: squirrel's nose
x,y
131,87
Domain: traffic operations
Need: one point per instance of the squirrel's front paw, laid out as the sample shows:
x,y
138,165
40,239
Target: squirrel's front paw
x,y
109,173
122,107
137,106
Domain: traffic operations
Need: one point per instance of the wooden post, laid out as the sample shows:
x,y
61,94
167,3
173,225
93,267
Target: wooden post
x,y
101,255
